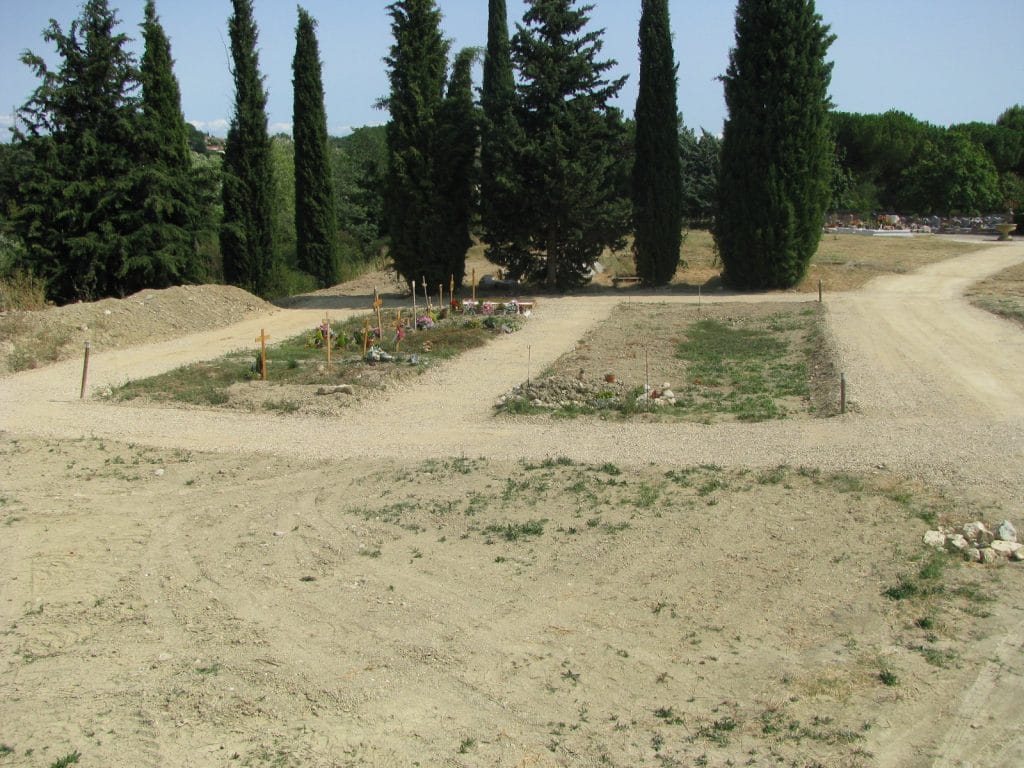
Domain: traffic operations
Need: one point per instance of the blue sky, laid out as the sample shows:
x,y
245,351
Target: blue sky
x,y
944,61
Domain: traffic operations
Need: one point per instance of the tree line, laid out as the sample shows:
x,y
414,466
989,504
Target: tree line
x,y
105,189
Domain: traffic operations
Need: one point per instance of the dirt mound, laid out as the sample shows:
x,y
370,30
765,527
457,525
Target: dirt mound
x,y
31,339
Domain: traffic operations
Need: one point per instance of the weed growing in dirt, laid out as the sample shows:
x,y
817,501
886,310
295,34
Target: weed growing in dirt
x,y
69,759
516,531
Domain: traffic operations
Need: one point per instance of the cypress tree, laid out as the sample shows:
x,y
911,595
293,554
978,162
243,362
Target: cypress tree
x,y
246,236
417,64
315,224
499,138
74,203
777,148
163,248
657,181
572,159
456,167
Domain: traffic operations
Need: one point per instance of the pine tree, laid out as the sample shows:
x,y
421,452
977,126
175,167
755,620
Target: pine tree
x,y
315,224
163,250
777,147
499,138
246,236
417,63
571,160
74,203
657,181
456,167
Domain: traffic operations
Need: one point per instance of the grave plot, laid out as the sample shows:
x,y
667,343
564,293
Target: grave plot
x,y
746,362
335,363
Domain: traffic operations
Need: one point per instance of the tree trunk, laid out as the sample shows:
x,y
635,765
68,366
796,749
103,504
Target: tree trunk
x,y
551,281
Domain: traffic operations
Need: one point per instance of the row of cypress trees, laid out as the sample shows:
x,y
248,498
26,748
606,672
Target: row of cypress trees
x,y
555,188
246,235
108,199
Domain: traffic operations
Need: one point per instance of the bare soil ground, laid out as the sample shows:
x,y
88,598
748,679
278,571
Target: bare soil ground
x,y
418,582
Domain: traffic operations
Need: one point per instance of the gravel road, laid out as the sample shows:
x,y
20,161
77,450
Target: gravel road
x,y
935,384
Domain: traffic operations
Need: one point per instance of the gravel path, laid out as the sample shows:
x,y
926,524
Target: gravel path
x,y
936,385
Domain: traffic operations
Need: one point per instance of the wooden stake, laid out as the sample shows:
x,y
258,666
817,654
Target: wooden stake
x,y
426,296
842,393
262,339
819,291
647,373
414,313
377,303
85,369
451,290
440,296
474,284
327,334
366,335
398,331
529,363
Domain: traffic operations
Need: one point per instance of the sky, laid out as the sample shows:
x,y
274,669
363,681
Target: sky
x,y
943,61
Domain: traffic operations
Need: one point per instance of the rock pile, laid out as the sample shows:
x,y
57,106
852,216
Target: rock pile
x,y
569,392
977,543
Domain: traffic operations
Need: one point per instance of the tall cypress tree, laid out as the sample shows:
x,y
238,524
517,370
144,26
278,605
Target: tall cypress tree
x,y
456,166
657,181
315,224
74,197
572,157
246,236
163,248
776,148
499,138
417,65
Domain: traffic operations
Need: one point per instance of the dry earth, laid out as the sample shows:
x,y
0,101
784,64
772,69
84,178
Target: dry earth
x,y
416,582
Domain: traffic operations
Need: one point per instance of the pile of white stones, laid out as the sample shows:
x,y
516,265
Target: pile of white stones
x,y
977,543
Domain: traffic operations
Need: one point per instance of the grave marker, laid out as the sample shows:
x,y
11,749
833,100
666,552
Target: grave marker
x,y
262,339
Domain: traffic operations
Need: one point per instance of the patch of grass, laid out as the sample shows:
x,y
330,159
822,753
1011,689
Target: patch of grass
x,y
6,750
669,715
69,759
888,678
774,476
282,406
517,531
466,745
22,291
718,731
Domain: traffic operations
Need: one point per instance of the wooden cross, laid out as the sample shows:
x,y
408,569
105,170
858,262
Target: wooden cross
x,y
426,296
440,295
451,290
262,339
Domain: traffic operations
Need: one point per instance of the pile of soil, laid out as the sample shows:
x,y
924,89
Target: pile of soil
x,y
31,339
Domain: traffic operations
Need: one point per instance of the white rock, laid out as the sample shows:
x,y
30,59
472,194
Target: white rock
x,y
988,555
972,555
959,542
1006,532
935,539
158,472
1018,556
1006,548
978,534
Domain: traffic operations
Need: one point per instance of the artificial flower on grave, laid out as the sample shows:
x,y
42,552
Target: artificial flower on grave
x,y
487,308
424,322
470,306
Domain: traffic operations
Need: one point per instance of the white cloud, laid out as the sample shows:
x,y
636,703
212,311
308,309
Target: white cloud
x,y
276,128
213,127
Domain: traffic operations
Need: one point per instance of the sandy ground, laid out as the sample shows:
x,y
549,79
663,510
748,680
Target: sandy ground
x,y
395,586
